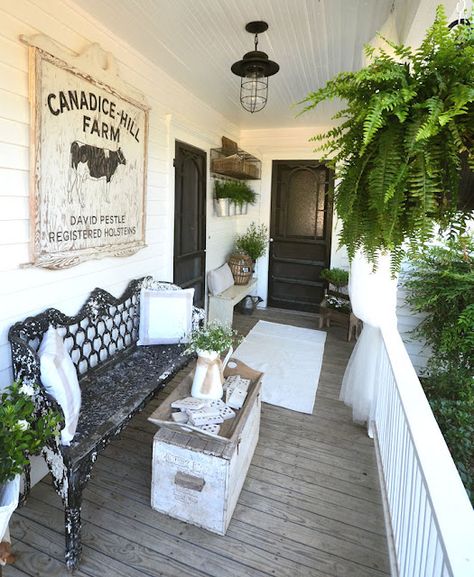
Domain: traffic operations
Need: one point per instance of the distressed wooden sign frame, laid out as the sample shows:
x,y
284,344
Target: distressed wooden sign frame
x,y
88,156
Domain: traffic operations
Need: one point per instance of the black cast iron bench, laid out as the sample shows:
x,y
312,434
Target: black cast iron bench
x,y
117,379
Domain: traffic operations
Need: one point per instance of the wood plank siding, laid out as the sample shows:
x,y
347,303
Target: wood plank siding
x,y
310,506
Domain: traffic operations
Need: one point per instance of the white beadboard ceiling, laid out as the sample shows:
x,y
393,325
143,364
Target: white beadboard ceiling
x,y
196,41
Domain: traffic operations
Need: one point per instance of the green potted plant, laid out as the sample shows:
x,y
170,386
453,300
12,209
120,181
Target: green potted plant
x,y
242,196
209,343
338,278
222,192
397,143
213,337
232,197
253,242
22,433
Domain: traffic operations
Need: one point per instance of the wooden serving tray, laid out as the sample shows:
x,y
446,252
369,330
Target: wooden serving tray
x,y
231,428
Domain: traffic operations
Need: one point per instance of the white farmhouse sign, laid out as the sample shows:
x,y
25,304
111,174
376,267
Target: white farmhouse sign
x,y
89,158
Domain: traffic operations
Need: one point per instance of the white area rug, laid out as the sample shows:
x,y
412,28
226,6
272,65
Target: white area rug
x,y
290,357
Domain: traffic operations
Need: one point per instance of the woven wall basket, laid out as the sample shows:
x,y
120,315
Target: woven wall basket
x,y
241,266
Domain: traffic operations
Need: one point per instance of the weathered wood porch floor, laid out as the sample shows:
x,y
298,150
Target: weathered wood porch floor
x,y
310,506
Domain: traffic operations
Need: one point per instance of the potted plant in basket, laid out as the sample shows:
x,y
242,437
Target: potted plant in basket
x,y
209,343
22,433
254,241
248,248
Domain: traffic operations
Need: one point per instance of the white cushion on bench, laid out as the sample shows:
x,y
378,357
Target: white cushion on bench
x,y
165,316
220,279
59,378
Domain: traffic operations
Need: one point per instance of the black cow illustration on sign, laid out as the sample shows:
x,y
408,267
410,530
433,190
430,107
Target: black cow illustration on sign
x,y
91,162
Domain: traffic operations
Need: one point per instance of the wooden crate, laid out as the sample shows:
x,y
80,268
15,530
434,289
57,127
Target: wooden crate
x,y
197,477
235,163
236,167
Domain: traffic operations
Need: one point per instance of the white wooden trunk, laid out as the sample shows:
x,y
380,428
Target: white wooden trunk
x,y
198,478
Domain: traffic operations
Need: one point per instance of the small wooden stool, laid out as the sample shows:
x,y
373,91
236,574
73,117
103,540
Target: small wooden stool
x,y
355,327
326,314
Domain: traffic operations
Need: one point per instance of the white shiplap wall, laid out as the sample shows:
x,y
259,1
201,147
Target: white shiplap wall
x,y
175,113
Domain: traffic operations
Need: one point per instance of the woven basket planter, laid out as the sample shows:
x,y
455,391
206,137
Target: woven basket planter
x,y
241,266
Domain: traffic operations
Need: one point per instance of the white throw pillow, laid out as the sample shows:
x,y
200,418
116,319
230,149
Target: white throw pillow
x,y
220,279
59,378
165,316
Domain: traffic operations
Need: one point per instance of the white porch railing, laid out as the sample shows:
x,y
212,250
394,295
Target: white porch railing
x,y
429,513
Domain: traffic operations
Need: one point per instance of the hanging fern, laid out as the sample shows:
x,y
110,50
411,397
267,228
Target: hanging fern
x,y
396,148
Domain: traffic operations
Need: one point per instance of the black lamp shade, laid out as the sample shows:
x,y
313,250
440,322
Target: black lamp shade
x,y
254,70
255,61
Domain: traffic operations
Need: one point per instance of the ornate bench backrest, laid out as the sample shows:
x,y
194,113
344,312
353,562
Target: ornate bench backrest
x,y
104,326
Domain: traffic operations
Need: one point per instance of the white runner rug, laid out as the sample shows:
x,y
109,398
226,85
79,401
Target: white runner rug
x,y
291,358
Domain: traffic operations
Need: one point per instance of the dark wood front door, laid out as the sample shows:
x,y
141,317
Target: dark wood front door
x,y
300,233
190,219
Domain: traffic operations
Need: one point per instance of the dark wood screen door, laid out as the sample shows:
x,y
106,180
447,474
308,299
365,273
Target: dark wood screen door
x,y
190,219
300,233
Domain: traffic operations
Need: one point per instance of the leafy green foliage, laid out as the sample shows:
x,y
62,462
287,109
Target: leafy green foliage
x,y
254,241
236,190
455,419
441,285
396,151
336,276
213,337
22,432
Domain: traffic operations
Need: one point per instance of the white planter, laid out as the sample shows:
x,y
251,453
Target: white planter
x,y
241,208
9,493
222,206
227,207
207,381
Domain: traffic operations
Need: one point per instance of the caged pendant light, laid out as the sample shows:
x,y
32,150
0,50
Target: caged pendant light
x,y
254,70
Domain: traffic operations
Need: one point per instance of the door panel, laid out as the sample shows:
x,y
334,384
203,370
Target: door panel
x,y
300,229
190,219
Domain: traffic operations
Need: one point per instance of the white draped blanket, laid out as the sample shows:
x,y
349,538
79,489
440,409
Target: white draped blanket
x,y
291,358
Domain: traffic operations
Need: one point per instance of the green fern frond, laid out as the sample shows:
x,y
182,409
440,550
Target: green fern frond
x,y
406,119
383,174
373,122
431,126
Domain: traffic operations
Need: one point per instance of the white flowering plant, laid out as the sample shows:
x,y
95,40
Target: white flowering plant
x,y
213,337
338,304
22,431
